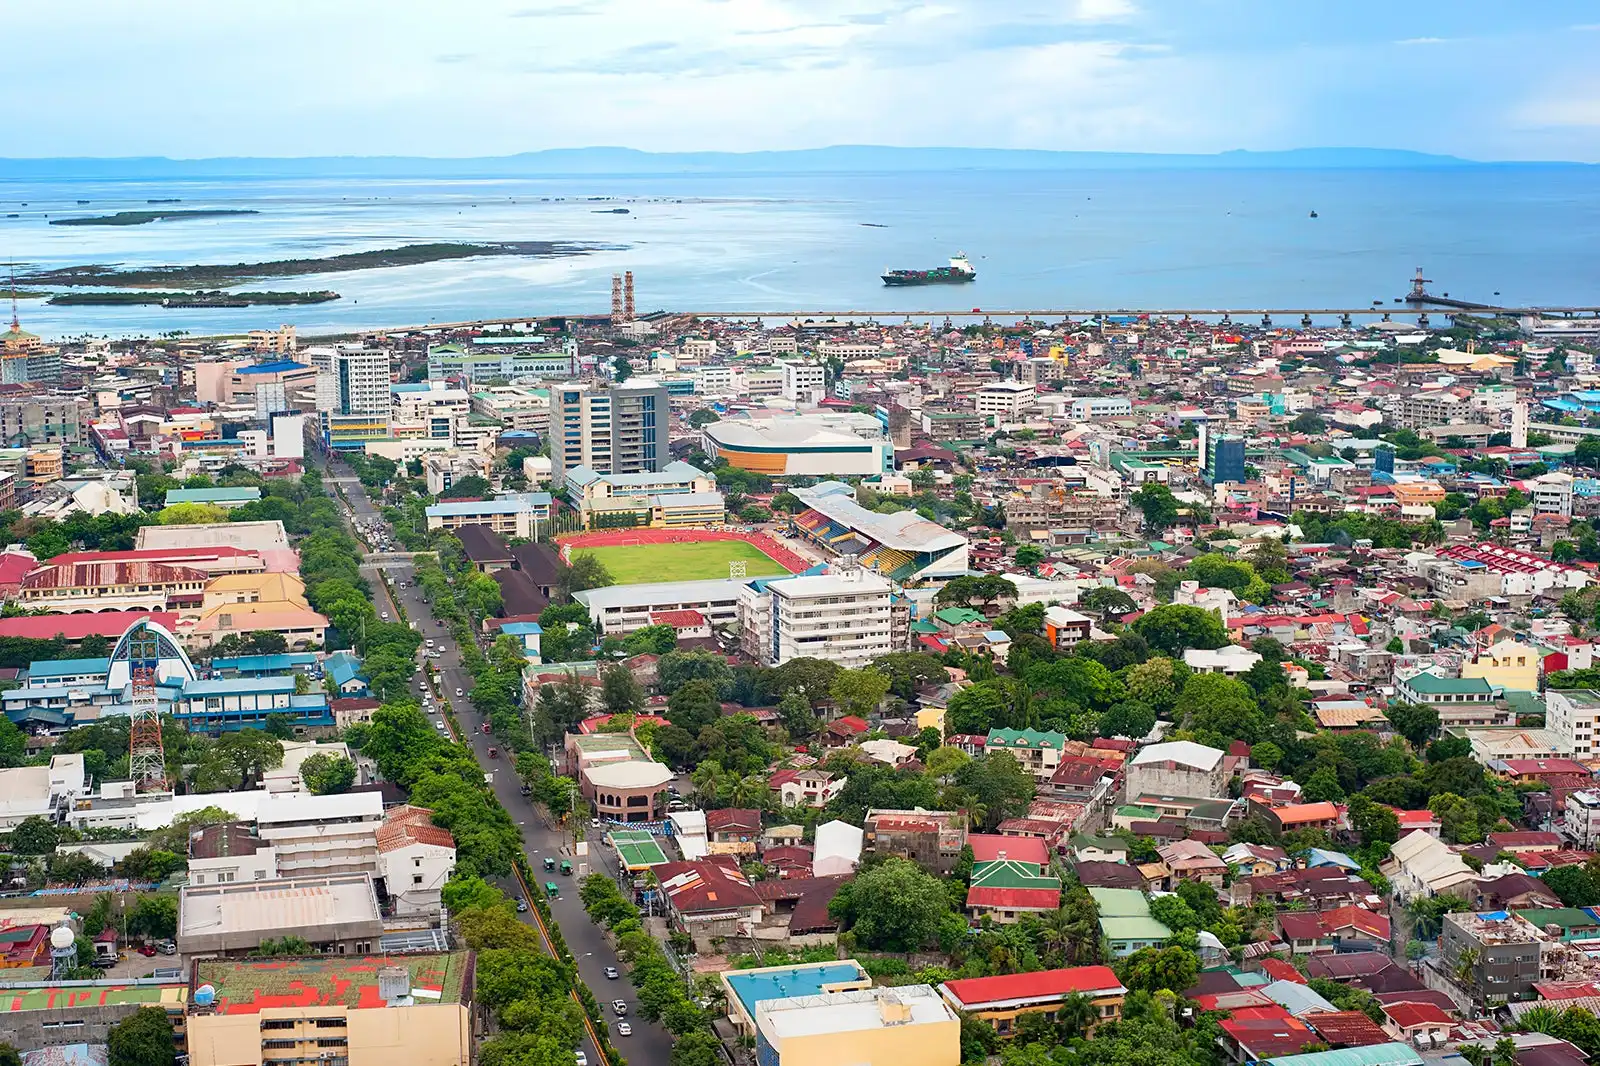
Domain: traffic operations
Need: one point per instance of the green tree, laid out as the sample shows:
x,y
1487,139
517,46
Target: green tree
x,y
620,691
1174,628
858,692
584,572
143,1038
799,720
1418,723
1170,969
694,706
1029,555
1574,885
1158,505
326,774
893,906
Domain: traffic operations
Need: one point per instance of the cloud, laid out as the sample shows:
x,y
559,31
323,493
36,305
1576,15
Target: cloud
x,y
1410,41
455,57
558,11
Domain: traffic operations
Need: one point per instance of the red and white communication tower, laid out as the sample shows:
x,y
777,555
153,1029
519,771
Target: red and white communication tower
x,y
147,756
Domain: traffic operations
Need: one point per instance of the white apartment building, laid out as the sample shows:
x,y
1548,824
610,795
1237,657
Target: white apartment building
x,y
1085,408
701,348
804,383
428,410
1005,400
1552,494
848,350
443,469
352,394
1573,715
763,384
842,617
515,406
1581,819
782,344
716,381
621,429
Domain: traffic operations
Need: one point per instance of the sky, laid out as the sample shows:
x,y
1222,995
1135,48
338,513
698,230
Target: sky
x,y
1484,79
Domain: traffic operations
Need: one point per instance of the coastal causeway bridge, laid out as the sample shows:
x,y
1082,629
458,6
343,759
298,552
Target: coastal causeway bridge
x,y
1569,318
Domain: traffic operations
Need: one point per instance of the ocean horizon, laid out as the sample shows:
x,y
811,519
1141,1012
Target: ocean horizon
x,y
1517,234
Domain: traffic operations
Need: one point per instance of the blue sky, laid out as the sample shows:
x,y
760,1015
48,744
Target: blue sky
x,y
1486,79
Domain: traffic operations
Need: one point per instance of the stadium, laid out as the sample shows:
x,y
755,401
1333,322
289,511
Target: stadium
x,y
903,547
634,556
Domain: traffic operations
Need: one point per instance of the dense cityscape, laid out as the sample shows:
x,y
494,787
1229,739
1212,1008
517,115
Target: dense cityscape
x,y
821,692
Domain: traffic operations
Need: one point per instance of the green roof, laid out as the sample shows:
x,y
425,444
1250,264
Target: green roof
x,y
1025,738
637,849
922,625
241,494
1121,902
1084,840
1143,813
957,615
1432,685
1565,917
1134,929
1011,873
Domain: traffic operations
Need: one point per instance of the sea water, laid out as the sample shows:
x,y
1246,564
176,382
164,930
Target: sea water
x,y
772,242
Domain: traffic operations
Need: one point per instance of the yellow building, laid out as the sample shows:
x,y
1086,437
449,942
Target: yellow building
x,y
931,718
1509,664
285,589
361,1011
871,1027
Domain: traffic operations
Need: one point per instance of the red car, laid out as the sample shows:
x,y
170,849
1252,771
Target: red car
x,y
147,949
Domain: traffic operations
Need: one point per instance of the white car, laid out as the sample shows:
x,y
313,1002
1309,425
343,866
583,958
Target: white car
x,y
624,1029
582,1059
384,615
458,692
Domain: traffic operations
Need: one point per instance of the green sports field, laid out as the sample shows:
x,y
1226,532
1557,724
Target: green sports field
x,y
698,561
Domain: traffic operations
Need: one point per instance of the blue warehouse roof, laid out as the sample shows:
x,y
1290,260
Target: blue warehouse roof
x,y
279,366
521,629
236,686
68,667
265,664
242,494
505,505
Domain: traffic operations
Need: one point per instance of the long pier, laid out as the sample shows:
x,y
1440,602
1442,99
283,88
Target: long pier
x,y
1223,315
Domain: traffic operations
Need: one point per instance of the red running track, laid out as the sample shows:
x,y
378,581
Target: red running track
x,y
622,538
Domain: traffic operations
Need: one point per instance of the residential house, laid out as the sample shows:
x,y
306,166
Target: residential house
x,y
992,847
1176,768
1421,867
1087,848
1006,889
932,839
1341,929
1038,751
708,899
733,831
1190,860
1125,921
806,788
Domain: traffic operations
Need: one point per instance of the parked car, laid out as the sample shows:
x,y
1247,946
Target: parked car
x,y
147,950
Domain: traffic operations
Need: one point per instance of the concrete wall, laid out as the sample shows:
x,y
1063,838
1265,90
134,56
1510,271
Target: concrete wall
x,y
422,1035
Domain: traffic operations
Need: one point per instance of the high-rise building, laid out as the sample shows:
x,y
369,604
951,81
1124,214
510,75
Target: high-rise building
x,y
615,429
352,395
1224,459
842,617
805,383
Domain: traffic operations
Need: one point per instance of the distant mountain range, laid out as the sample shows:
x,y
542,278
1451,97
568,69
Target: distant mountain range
x,y
611,161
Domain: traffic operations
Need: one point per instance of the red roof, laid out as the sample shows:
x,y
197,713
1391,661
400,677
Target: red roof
x,y
987,847
1014,899
975,992
1281,970
1348,1028
678,619
94,575
111,624
1406,1015
850,723
14,566
733,819
157,555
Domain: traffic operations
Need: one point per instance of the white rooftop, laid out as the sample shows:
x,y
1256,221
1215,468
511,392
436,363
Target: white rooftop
x,y
843,1012
1183,752
631,774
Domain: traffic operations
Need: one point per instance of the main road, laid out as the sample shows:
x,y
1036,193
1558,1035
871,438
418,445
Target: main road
x,y
650,1044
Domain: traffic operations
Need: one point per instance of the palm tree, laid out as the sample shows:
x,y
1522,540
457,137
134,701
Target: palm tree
x,y
1464,967
748,791
1076,1016
1055,933
707,779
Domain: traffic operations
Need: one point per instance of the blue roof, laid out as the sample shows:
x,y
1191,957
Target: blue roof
x,y
238,686
66,667
521,629
504,505
790,981
276,367
41,692
310,701
343,666
265,663
1327,857
1395,1054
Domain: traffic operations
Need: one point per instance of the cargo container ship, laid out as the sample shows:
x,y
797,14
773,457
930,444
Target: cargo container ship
x,y
959,271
